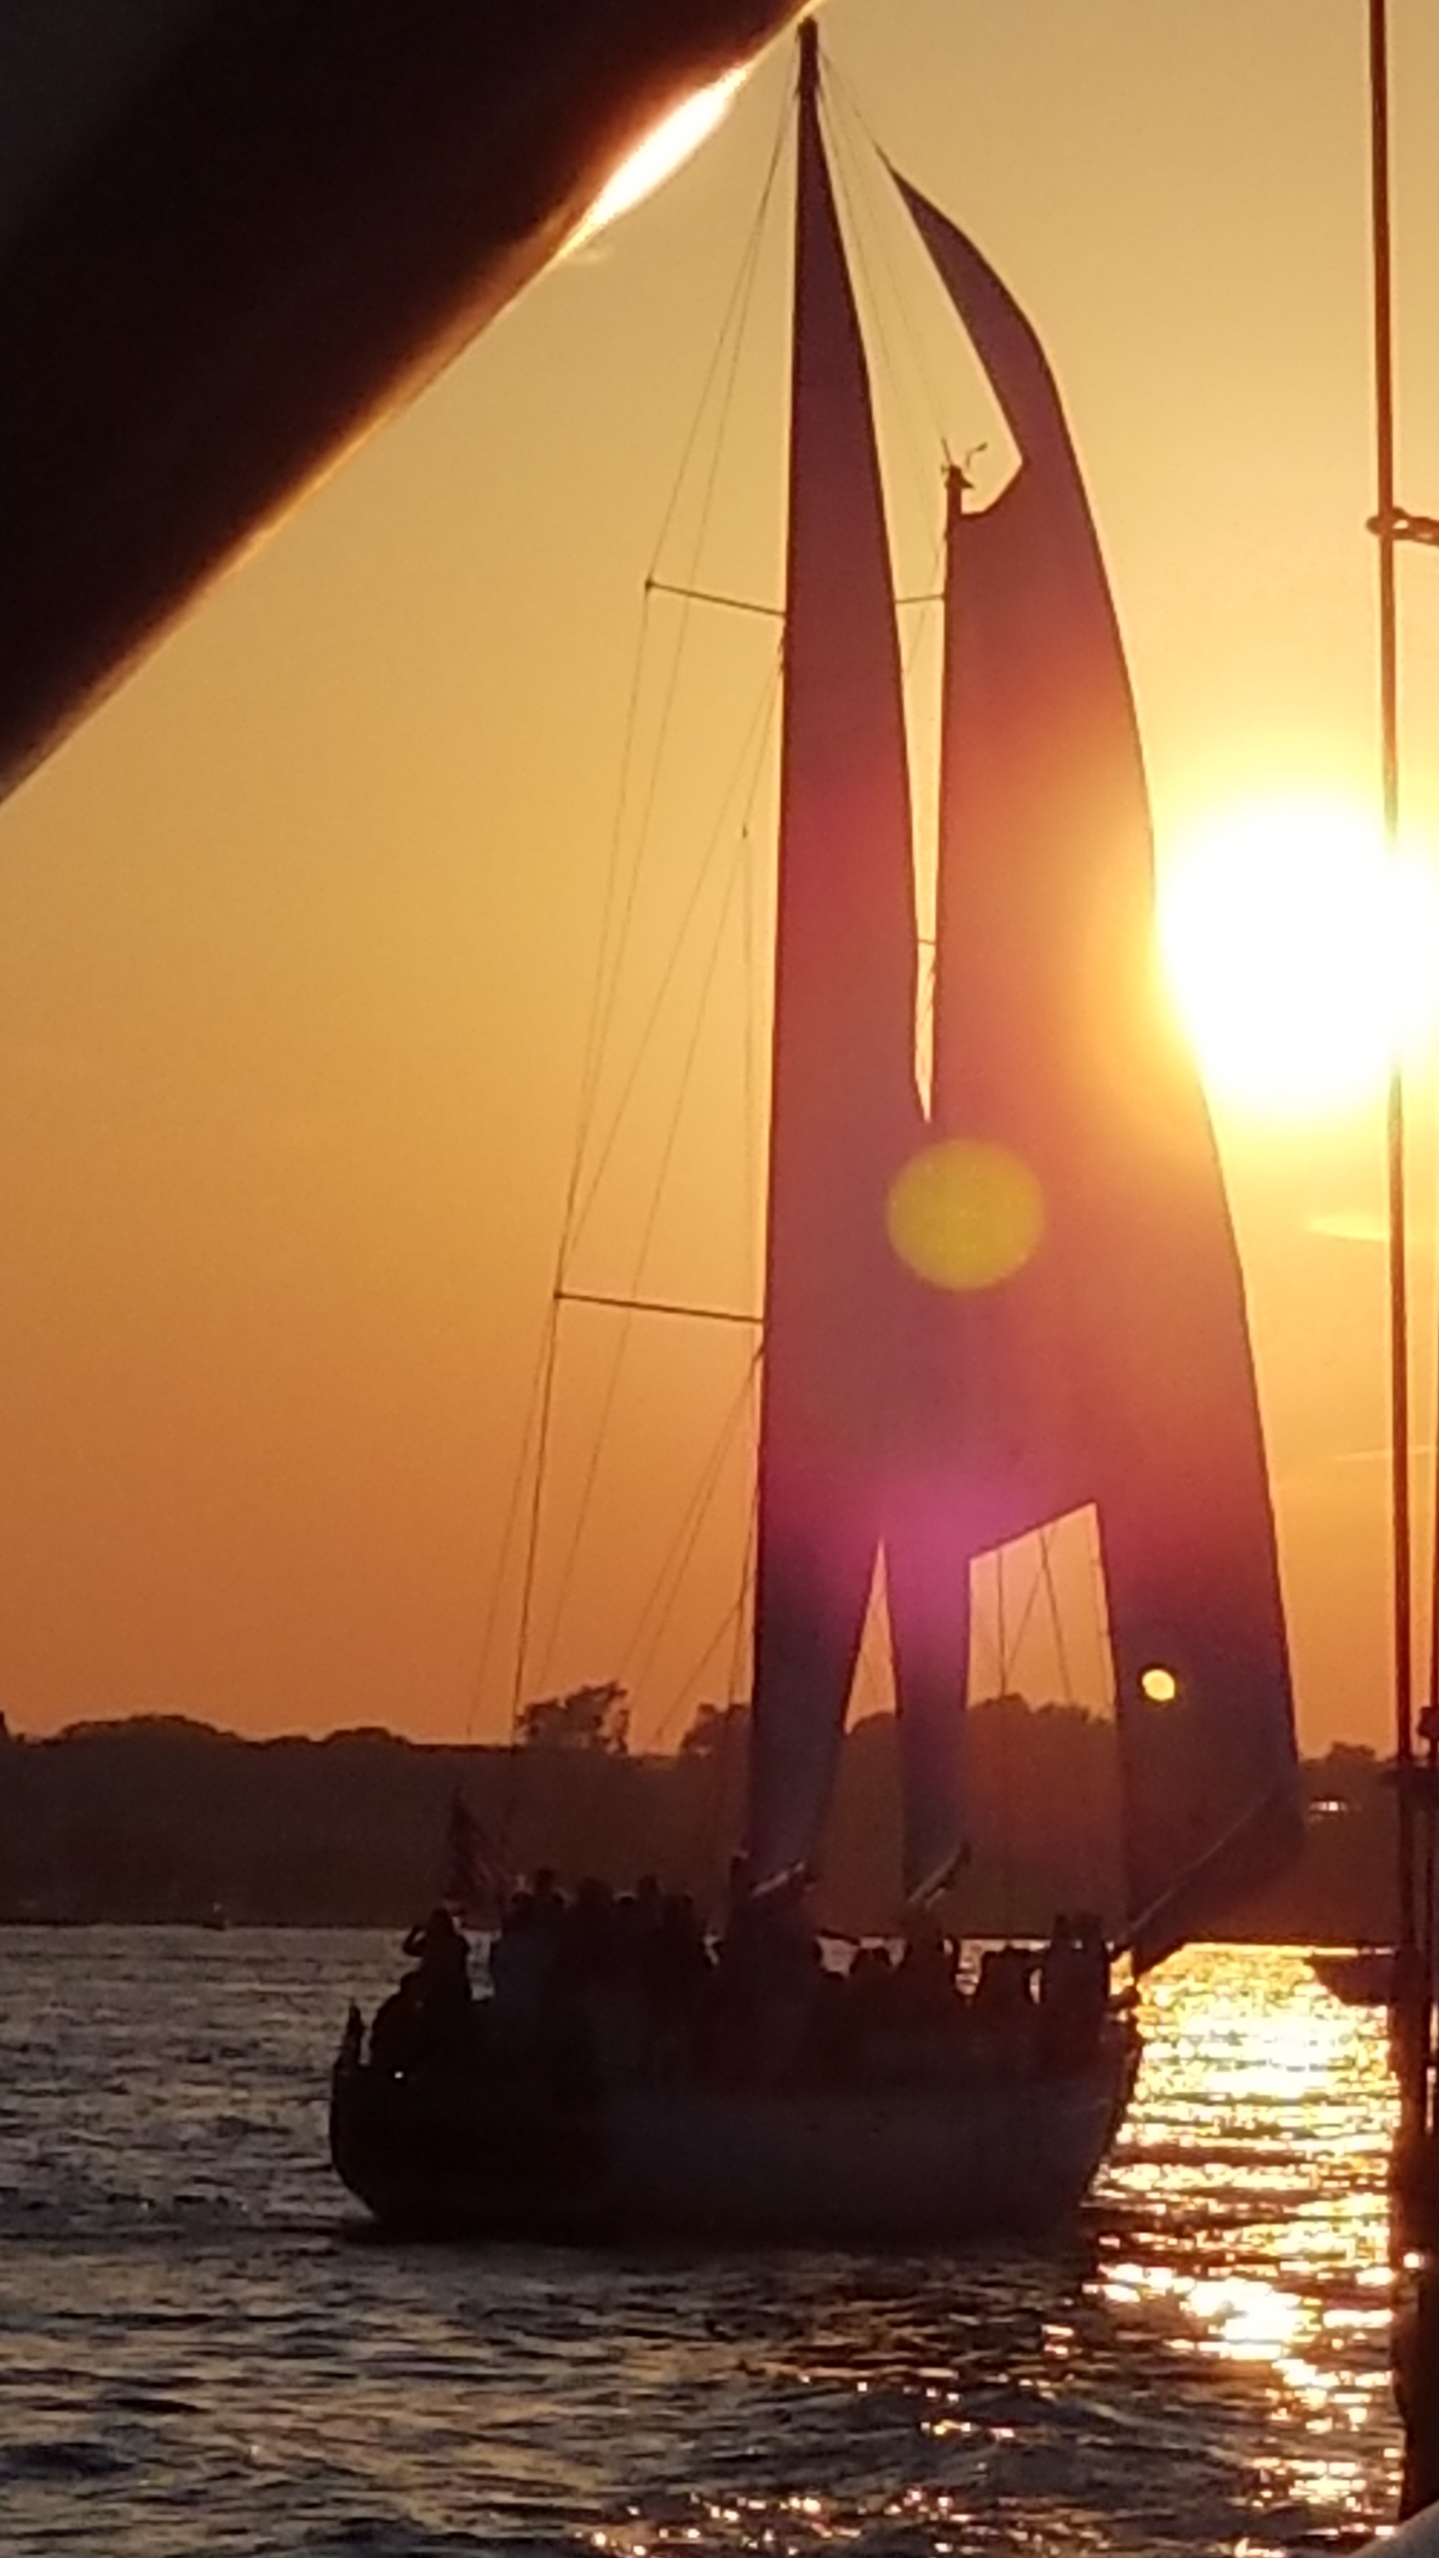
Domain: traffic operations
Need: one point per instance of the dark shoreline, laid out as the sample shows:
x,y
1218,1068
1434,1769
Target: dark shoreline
x,y
164,1822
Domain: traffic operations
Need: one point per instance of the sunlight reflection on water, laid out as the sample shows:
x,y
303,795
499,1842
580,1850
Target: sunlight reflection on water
x,y
196,2354
1248,2193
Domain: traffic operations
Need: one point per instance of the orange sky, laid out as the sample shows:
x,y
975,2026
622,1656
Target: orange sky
x,y
296,937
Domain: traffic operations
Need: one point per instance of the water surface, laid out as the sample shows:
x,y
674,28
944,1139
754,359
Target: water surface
x,y
200,2349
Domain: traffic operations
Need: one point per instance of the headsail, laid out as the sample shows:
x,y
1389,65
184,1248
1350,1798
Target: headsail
x,y
844,1109
1115,1367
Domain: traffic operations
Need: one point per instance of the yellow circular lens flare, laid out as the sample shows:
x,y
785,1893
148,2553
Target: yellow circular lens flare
x,y
1159,1685
965,1214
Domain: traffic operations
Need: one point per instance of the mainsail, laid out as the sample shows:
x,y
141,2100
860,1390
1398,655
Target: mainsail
x,y
1109,1366
844,1109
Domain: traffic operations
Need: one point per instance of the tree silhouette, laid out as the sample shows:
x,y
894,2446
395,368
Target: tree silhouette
x,y
588,1718
716,1730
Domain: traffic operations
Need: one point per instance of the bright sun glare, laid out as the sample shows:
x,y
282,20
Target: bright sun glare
x,y
1298,954
663,150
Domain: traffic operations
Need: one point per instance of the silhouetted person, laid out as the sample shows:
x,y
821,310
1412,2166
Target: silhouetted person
x,y
397,2036
444,1959
1093,1945
434,2009
924,1983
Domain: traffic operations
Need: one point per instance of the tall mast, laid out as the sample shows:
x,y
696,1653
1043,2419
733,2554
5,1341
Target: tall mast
x,y
808,63
1386,528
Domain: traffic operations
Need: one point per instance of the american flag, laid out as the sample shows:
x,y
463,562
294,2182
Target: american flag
x,y
474,1879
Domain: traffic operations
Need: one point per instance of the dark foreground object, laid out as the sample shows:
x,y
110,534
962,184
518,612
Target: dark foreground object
x,y
285,226
435,2154
1364,1978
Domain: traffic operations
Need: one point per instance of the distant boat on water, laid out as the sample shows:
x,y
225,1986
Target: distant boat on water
x,y
988,1306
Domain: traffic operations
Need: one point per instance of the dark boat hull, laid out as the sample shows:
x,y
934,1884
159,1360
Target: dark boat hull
x,y
902,2166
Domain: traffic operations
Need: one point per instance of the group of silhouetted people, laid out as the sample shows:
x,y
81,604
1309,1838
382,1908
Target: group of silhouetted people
x,y
595,1989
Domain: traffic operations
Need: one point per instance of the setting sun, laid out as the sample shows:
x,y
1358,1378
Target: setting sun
x,y
1297,953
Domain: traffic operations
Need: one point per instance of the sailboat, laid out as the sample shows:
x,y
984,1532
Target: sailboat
x,y
987,1307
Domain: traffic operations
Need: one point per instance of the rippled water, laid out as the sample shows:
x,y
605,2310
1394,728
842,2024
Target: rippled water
x,y
200,2351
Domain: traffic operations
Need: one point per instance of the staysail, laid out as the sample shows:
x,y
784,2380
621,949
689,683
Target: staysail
x,y
844,1107
1113,1368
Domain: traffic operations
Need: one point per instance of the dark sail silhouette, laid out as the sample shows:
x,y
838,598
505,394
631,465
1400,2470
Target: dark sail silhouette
x,y
1115,1367
844,1110
1106,1363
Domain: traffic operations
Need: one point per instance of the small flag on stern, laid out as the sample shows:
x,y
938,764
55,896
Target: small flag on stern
x,y
473,1881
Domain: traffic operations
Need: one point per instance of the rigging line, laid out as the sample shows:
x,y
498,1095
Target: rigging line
x,y
646,1237
919,630
733,1611
752,753
592,1052
749,1090
993,1640
717,1794
734,318
682,1090
923,479
1056,1621
860,161
1004,1792
1099,1592
1043,1580
1027,1612
655,1306
739,309
748,1562
527,1585
707,595
512,1514
610,965
681,1552
606,981
735,314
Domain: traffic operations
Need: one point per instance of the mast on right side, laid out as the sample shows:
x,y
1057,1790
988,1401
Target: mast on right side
x,y
1384,523
1414,2183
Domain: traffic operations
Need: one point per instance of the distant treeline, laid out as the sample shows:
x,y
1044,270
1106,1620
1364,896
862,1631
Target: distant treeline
x,y
164,1819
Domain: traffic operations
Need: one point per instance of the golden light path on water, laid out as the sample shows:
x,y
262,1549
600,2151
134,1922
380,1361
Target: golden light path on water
x,y
1249,2200
192,2326
1206,2370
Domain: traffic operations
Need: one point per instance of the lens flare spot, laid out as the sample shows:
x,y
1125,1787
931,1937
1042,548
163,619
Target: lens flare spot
x,y
1159,1685
965,1214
